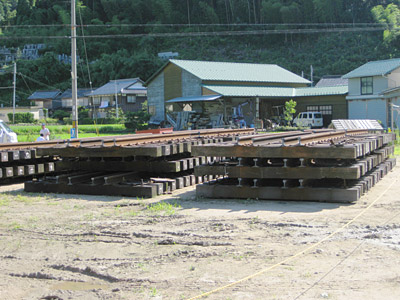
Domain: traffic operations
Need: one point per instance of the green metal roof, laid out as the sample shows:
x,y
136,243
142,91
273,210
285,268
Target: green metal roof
x,y
245,72
322,91
374,68
275,92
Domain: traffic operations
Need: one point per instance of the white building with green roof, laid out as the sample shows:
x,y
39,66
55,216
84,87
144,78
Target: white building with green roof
x,y
220,87
373,88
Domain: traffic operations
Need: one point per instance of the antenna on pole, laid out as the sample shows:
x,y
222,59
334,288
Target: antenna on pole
x,y
74,130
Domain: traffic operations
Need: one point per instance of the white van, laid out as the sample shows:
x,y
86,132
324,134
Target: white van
x,y
309,119
6,134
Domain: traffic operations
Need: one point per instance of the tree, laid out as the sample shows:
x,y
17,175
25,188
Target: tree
x,y
289,111
389,16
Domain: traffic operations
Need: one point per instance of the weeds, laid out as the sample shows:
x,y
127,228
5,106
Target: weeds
x,y
153,292
163,208
15,226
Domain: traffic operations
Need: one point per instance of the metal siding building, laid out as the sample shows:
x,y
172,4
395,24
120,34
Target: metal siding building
x,y
237,84
376,105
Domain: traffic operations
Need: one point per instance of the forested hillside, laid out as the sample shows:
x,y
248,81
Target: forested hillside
x,y
122,37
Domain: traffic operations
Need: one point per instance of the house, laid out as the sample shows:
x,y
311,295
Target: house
x,y
373,88
235,91
44,99
129,93
332,80
65,99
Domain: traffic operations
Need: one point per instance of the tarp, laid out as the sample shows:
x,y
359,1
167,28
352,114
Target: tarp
x,y
103,104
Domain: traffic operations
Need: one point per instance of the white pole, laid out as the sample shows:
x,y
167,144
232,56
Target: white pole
x,y
391,121
15,87
116,98
74,72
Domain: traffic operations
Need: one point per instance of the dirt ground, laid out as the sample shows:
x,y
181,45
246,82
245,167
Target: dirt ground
x,y
176,247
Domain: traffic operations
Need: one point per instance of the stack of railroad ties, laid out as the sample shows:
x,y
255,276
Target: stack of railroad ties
x,y
139,165
328,166
20,161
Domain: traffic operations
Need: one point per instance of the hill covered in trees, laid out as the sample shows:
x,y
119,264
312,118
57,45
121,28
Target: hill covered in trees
x,y
123,37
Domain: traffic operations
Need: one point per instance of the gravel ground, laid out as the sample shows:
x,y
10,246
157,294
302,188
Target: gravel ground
x,y
178,247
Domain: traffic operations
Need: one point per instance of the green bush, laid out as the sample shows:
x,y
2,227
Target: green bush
x,y
137,120
46,121
61,114
21,117
88,121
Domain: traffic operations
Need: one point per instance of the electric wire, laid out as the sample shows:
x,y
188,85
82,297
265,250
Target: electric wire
x,y
37,81
84,46
206,33
26,84
195,24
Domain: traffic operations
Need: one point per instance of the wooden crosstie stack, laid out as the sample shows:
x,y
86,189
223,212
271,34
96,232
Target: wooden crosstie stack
x,y
328,166
142,165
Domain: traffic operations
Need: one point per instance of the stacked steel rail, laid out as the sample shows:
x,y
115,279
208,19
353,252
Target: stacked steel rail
x,y
143,165
329,166
19,164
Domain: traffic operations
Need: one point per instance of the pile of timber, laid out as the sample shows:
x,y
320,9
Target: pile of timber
x,y
144,165
20,164
327,166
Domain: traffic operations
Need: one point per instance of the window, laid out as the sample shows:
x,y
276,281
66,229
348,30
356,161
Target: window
x,y
324,109
366,85
96,101
318,116
131,99
312,108
152,109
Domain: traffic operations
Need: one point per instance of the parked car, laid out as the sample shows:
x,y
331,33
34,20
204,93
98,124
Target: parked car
x,y
309,119
6,134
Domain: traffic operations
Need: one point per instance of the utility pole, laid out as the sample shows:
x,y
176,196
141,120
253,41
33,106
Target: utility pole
x,y
74,131
15,87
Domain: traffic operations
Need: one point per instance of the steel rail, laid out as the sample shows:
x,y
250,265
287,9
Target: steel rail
x,y
323,137
306,137
250,139
161,137
274,136
133,139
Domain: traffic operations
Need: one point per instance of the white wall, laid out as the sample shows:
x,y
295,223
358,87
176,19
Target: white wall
x,y
379,84
370,109
36,111
394,79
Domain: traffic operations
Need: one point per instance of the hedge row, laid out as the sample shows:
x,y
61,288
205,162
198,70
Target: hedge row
x,y
65,129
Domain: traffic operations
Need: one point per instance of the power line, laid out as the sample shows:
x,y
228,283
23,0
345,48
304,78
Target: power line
x,y
38,82
194,25
86,55
217,33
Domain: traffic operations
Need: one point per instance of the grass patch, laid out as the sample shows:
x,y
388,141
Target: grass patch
x,y
15,226
29,133
4,201
163,208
